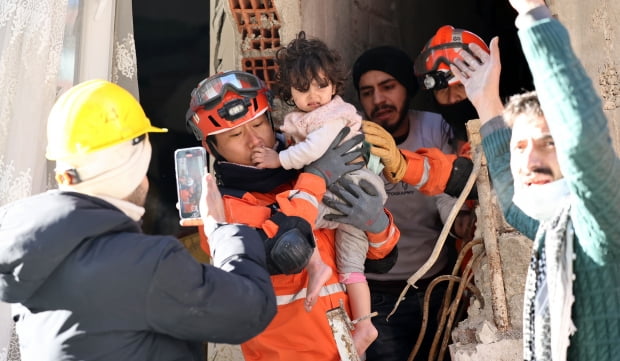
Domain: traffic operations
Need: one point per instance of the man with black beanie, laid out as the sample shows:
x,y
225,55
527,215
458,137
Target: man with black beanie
x,y
408,140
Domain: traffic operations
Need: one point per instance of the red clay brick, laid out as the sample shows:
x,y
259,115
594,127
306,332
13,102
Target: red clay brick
x,y
262,67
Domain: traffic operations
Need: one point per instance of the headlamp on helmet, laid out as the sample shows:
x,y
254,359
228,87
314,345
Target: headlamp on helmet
x,y
234,109
432,66
437,80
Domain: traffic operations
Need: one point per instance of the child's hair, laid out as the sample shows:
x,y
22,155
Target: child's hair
x,y
301,62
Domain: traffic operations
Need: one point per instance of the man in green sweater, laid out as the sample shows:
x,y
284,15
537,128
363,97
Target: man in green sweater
x,y
555,173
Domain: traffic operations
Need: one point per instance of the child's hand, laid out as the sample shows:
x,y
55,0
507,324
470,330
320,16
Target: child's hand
x,y
264,157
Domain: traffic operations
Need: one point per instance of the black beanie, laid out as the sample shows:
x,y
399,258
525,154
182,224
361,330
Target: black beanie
x,y
387,59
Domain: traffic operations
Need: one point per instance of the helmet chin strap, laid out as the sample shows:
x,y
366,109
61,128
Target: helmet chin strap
x,y
209,143
273,126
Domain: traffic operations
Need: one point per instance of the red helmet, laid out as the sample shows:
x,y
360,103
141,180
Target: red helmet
x,y
432,66
225,101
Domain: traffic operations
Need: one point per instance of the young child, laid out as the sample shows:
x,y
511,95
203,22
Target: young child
x,y
311,75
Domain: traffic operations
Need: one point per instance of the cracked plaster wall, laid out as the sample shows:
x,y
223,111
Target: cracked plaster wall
x,y
594,30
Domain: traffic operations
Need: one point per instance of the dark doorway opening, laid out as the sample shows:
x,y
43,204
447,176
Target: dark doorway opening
x,y
172,47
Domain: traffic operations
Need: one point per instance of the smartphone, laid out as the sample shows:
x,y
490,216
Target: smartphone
x,y
189,165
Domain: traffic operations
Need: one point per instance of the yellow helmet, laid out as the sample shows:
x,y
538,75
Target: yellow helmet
x,y
91,116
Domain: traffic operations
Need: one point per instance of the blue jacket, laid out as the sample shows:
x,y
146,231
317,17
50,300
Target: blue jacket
x,y
89,285
588,162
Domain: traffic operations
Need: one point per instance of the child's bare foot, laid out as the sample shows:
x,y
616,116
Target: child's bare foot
x,y
318,274
364,334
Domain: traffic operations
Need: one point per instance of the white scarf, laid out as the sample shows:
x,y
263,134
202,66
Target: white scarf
x,y
542,201
551,335
559,238
132,210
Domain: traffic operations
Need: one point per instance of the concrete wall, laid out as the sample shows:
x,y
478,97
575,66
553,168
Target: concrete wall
x,y
594,30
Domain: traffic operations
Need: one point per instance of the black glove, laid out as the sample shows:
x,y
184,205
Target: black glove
x,y
461,169
334,163
383,265
363,208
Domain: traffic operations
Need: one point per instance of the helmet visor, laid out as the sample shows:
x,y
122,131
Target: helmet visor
x,y
439,57
210,91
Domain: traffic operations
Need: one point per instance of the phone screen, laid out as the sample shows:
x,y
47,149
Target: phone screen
x,y
189,166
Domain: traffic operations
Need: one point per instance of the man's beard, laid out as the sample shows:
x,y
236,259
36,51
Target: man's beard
x,y
138,196
402,118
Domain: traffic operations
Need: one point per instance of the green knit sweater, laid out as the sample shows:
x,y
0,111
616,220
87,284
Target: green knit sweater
x,y
588,161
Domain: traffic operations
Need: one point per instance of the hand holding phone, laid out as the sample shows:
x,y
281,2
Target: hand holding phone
x,y
189,166
211,204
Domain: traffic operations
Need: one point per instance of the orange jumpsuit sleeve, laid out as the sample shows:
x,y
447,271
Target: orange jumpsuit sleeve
x,y
428,169
303,200
382,243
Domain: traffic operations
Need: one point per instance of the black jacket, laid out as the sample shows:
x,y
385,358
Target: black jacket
x,y
88,285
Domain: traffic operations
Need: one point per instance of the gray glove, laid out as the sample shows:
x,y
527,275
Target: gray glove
x,y
334,163
363,207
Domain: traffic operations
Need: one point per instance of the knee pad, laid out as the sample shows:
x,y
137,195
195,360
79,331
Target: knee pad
x,y
289,251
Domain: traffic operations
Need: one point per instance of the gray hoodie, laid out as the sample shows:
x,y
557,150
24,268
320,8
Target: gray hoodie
x,y
88,285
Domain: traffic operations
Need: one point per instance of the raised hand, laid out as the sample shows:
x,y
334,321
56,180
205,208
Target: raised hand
x,y
523,6
479,73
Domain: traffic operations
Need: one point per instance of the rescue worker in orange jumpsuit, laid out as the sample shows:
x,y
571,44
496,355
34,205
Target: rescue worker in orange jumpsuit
x,y
432,70
230,114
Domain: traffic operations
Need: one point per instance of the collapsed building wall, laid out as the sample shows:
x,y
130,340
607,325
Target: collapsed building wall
x,y
594,31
